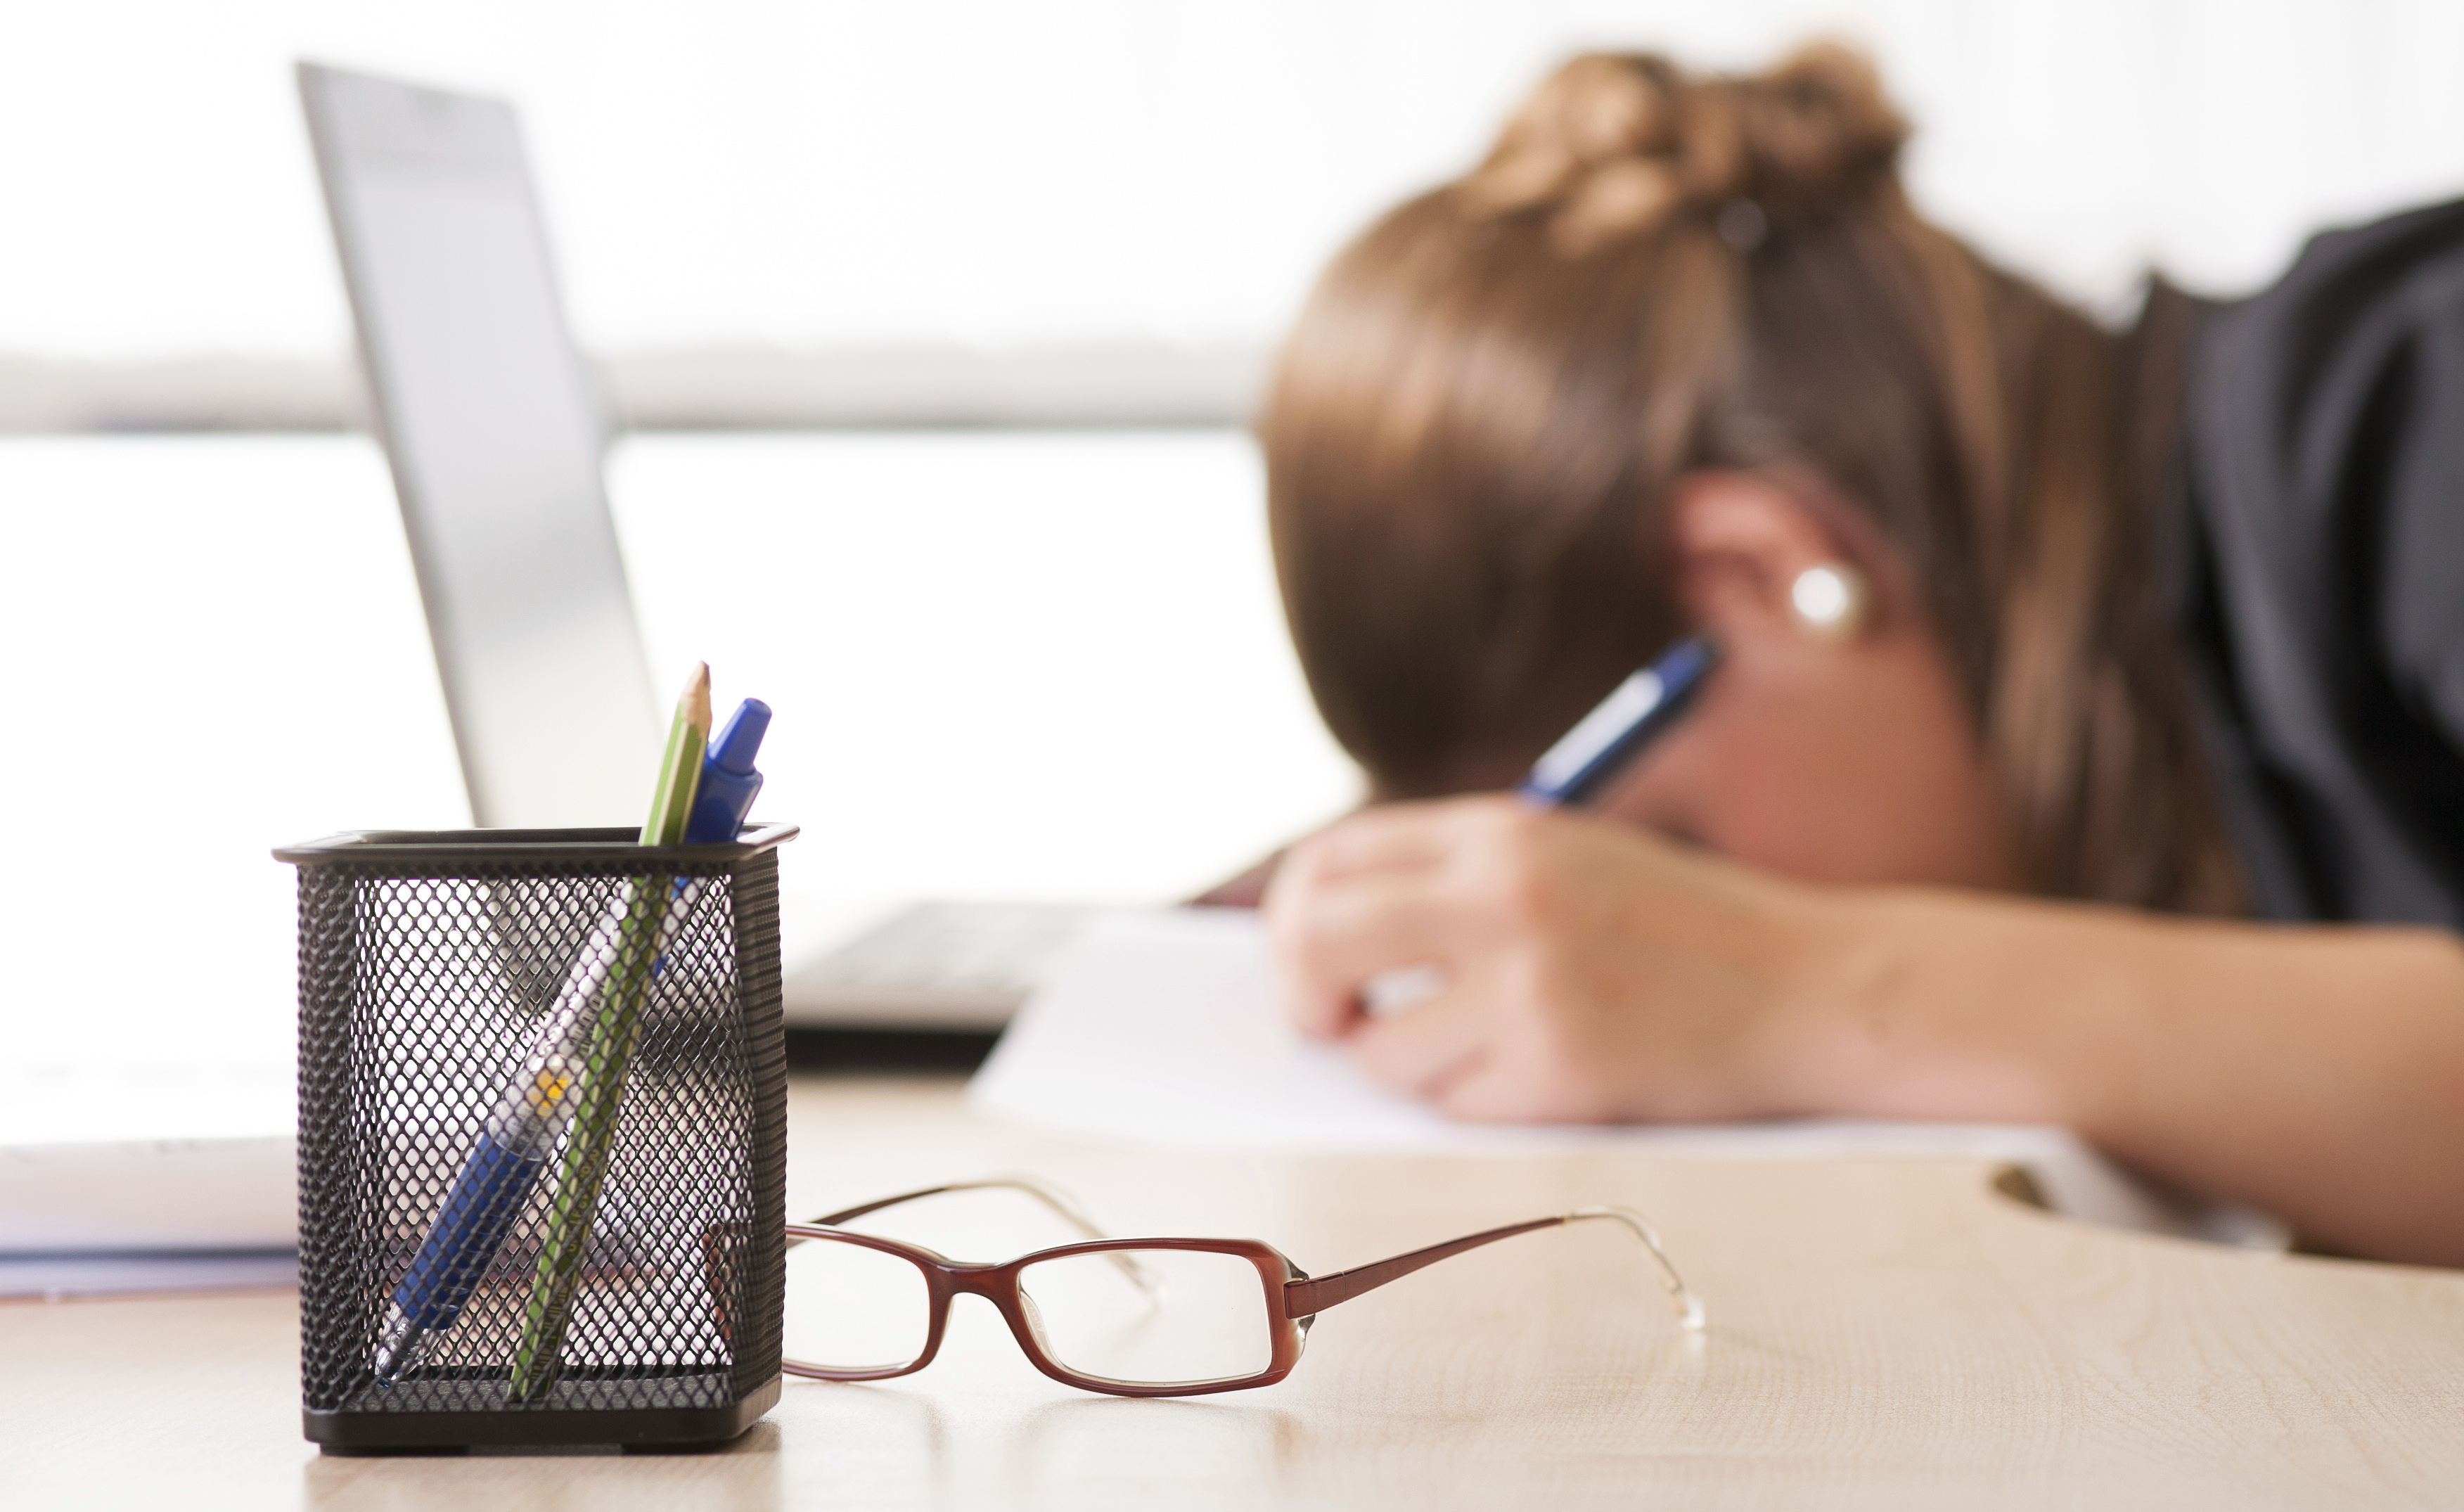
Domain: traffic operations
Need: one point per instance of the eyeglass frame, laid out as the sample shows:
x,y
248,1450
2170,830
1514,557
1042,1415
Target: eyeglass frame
x,y
1301,1295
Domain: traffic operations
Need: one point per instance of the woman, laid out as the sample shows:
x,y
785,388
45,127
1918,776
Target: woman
x,y
2052,661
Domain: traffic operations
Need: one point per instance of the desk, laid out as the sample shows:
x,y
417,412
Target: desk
x,y
1883,1333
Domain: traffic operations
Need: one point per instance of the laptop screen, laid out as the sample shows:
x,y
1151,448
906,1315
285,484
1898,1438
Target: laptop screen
x,y
494,438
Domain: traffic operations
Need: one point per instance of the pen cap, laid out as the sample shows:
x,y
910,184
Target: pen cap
x,y
729,782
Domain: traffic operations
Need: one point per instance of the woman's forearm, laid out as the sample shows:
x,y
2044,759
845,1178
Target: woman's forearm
x,y
1591,973
2317,1073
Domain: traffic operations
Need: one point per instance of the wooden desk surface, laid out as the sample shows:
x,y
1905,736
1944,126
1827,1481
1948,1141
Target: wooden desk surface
x,y
1883,1333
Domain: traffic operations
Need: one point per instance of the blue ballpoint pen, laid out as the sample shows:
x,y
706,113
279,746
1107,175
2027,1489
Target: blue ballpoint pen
x,y
523,1129
1590,757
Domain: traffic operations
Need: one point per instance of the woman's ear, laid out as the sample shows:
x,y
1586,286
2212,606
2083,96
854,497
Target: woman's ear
x,y
1755,560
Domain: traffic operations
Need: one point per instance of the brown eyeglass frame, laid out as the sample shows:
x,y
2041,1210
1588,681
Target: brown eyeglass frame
x,y
1293,1297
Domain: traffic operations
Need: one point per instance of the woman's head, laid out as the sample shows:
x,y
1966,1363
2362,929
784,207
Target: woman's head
x,y
1676,337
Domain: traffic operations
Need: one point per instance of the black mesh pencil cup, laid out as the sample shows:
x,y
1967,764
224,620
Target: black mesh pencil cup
x,y
543,1137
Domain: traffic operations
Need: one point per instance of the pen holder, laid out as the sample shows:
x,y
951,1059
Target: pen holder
x,y
434,966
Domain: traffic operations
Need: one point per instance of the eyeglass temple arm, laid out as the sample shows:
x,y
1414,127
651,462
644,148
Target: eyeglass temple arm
x,y
1312,1295
1052,1197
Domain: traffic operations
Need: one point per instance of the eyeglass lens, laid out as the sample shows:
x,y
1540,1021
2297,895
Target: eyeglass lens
x,y
853,1308
1200,1317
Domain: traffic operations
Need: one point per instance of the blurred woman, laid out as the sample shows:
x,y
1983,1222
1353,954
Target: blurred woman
x,y
2087,745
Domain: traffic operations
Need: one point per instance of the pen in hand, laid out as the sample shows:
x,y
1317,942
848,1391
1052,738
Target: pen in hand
x,y
1580,768
1588,760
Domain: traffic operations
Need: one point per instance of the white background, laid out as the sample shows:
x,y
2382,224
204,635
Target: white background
x,y
1016,666
1006,171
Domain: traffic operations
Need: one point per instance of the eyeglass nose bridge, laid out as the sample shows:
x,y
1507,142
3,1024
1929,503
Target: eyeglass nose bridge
x,y
994,1284
1001,1285
946,1279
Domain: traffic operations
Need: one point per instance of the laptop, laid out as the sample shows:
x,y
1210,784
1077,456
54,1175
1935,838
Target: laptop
x,y
494,432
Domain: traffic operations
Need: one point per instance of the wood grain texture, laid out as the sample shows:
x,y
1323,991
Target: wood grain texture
x,y
1884,1333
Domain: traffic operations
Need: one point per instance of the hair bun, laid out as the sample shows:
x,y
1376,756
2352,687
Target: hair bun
x,y
1613,144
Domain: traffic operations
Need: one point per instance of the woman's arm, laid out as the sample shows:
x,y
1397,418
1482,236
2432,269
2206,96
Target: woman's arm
x,y
1597,973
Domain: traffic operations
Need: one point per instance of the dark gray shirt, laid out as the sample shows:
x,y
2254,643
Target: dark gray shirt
x,y
2324,457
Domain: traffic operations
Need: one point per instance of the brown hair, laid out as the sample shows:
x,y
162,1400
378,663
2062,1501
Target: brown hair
x,y
1473,431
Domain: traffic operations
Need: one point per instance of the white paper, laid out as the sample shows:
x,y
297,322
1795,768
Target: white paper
x,y
1160,1027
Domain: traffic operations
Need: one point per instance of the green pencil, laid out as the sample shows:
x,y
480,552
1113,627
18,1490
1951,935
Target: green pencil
x,y
650,905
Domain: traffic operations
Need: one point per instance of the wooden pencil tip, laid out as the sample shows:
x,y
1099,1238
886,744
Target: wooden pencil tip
x,y
694,705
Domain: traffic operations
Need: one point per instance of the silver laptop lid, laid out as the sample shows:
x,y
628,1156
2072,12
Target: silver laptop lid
x,y
494,436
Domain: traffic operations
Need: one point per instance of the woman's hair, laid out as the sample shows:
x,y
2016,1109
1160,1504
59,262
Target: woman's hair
x,y
1473,432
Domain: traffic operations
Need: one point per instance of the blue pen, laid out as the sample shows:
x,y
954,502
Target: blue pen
x,y
523,1129
729,783
1588,759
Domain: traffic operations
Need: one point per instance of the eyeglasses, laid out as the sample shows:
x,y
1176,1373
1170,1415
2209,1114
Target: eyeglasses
x,y
1141,1317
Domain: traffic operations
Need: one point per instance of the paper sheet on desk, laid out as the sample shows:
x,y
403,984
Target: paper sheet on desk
x,y
1159,1028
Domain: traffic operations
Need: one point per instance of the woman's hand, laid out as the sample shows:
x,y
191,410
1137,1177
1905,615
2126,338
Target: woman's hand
x,y
1590,971
1593,973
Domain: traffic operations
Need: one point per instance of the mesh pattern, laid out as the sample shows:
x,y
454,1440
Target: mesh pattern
x,y
423,982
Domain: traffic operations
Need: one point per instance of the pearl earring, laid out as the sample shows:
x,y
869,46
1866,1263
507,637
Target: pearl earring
x,y
1829,600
